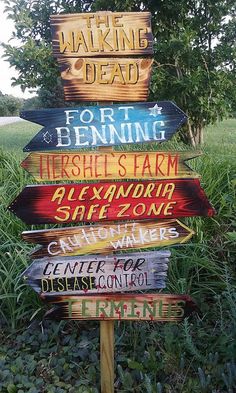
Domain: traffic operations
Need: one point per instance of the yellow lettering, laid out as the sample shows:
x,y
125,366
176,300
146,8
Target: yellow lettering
x,y
169,206
89,73
110,193
101,72
80,41
116,72
59,194
124,208
65,210
115,22
168,189
103,212
79,211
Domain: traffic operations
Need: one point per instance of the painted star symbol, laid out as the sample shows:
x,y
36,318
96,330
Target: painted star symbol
x,y
156,110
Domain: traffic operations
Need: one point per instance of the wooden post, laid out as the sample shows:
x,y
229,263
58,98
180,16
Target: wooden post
x,y
107,336
107,356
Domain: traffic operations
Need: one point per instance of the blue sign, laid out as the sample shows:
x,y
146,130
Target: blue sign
x,y
108,125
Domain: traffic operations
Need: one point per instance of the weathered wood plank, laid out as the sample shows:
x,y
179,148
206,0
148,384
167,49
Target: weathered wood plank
x,y
136,307
111,201
99,34
106,79
92,126
107,238
98,274
109,165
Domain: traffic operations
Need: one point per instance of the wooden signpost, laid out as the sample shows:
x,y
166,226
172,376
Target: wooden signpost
x,y
134,307
92,126
106,57
107,237
78,42
109,165
97,274
88,202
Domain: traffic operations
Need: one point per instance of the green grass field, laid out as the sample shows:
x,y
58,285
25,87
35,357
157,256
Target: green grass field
x,y
197,355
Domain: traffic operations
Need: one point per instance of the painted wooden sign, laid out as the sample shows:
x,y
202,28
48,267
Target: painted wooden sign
x,y
98,274
92,126
136,307
106,238
99,34
109,165
106,79
111,201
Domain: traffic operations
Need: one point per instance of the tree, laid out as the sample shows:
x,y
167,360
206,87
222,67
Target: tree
x,y
194,44
9,105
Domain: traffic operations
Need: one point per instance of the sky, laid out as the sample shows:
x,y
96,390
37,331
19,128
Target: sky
x,y
7,72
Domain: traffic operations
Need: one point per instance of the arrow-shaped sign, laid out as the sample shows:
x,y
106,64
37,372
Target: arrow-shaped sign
x,y
136,307
88,202
91,126
109,165
106,238
98,274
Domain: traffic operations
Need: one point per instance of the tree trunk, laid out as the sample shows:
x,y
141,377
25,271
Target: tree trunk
x,y
201,141
191,138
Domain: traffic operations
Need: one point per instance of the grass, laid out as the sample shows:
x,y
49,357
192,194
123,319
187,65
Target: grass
x,y
197,355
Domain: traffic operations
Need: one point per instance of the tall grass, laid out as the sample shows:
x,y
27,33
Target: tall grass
x,y
197,268
195,356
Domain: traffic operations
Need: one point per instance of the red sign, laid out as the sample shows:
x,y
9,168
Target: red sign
x,y
60,203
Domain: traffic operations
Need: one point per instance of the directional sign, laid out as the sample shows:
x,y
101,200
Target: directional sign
x,y
136,307
78,41
94,274
105,79
107,237
92,126
99,34
88,202
109,165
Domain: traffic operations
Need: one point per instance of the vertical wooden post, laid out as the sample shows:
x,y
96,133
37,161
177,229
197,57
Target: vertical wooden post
x,y
107,356
107,339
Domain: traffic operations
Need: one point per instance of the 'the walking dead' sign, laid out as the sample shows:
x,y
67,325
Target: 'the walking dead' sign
x,y
101,33
89,47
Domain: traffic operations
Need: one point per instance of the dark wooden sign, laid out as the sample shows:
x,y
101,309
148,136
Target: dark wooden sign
x,y
109,165
101,33
135,307
107,238
105,79
92,126
98,274
127,200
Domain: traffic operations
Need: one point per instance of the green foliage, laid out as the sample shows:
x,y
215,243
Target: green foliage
x,y
9,105
195,356
194,53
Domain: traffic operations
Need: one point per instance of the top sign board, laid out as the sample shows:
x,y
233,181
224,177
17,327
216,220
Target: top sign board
x,y
101,33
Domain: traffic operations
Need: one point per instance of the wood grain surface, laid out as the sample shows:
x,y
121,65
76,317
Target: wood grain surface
x,y
98,274
106,79
106,201
136,307
101,33
105,238
107,125
104,165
